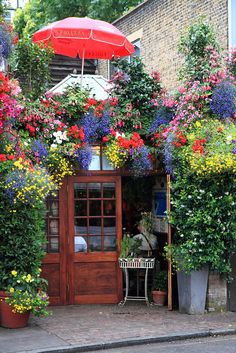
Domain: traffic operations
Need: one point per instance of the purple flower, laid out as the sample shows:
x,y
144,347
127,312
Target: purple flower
x,y
163,117
5,42
234,150
14,182
223,100
168,157
39,150
84,157
95,127
141,163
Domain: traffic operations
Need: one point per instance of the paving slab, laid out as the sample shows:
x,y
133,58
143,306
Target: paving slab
x,y
82,328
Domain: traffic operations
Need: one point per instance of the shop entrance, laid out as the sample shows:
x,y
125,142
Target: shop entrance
x,y
84,233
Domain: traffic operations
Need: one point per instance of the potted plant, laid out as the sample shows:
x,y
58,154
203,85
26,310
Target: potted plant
x,y
25,294
160,287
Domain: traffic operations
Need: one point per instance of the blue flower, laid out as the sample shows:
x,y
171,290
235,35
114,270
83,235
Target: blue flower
x,y
223,100
141,163
163,117
39,149
95,127
84,157
5,42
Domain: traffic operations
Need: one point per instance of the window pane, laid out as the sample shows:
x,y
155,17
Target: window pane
x,y
109,190
110,226
95,243
53,208
105,163
80,191
95,163
53,244
94,190
80,208
80,244
110,243
95,226
54,226
109,208
94,208
80,226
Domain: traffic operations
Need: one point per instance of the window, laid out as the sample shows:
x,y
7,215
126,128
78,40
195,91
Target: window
x,y
231,23
137,53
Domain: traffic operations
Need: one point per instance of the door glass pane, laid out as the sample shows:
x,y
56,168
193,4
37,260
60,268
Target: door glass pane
x,y
95,163
80,190
80,226
80,208
109,190
109,226
95,226
54,208
54,227
95,208
109,208
95,243
80,244
54,244
94,190
110,243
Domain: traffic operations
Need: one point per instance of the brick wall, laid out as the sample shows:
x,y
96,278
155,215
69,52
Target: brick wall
x,y
216,293
162,21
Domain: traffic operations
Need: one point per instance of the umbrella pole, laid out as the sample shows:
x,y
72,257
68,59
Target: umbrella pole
x,y
82,68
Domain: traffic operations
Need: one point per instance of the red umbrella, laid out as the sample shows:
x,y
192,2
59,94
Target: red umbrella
x,y
86,38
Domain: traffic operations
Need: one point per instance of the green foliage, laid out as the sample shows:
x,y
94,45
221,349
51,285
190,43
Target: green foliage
x,y
27,293
195,42
204,218
21,239
38,13
160,281
134,89
30,65
130,247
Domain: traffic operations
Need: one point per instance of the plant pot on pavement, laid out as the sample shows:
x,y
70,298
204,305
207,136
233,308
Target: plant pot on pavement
x,y
159,297
8,319
192,289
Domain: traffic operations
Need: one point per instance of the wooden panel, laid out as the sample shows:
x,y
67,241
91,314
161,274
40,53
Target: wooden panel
x,y
95,278
97,299
51,272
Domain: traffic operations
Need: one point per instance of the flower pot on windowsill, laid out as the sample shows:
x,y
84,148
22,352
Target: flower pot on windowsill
x,y
159,297
8,318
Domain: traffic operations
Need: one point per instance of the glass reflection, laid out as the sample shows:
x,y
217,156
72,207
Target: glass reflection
x,y
80,244
110,243
95,163
95,208
109,190
109,208
94,190
95,243
80,190
54,244
80,226
80,208
110,226
95,226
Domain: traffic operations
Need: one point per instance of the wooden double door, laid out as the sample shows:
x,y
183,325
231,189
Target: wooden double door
x,y
84,230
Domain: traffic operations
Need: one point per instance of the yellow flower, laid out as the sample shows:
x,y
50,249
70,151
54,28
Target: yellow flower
x,y
14,273
11,290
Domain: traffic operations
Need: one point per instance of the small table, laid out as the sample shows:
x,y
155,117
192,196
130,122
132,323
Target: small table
x,y
136,263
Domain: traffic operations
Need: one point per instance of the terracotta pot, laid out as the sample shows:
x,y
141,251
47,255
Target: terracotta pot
x,y
159,297
9,319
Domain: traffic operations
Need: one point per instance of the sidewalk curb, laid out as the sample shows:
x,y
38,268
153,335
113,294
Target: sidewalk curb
x,y
137,341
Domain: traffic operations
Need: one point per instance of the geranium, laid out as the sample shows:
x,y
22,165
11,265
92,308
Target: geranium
x,y
27,293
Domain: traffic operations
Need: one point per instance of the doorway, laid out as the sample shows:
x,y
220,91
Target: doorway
x,y
81,264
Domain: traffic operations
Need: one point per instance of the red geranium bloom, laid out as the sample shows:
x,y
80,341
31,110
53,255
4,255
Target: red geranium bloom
x,y
3,157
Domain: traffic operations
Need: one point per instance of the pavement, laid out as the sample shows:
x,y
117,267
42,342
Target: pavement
x,y
84,328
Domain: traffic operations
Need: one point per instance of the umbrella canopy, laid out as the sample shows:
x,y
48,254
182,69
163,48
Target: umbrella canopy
x,y
84,37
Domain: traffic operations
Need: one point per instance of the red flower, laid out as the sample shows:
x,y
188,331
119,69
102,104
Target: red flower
x,y
3,157
31,129
10,157
105,139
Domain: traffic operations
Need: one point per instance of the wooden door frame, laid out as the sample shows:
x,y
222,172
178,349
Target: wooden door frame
x,y
98,177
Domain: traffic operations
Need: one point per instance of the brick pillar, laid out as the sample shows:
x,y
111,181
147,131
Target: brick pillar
x,y
216,293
